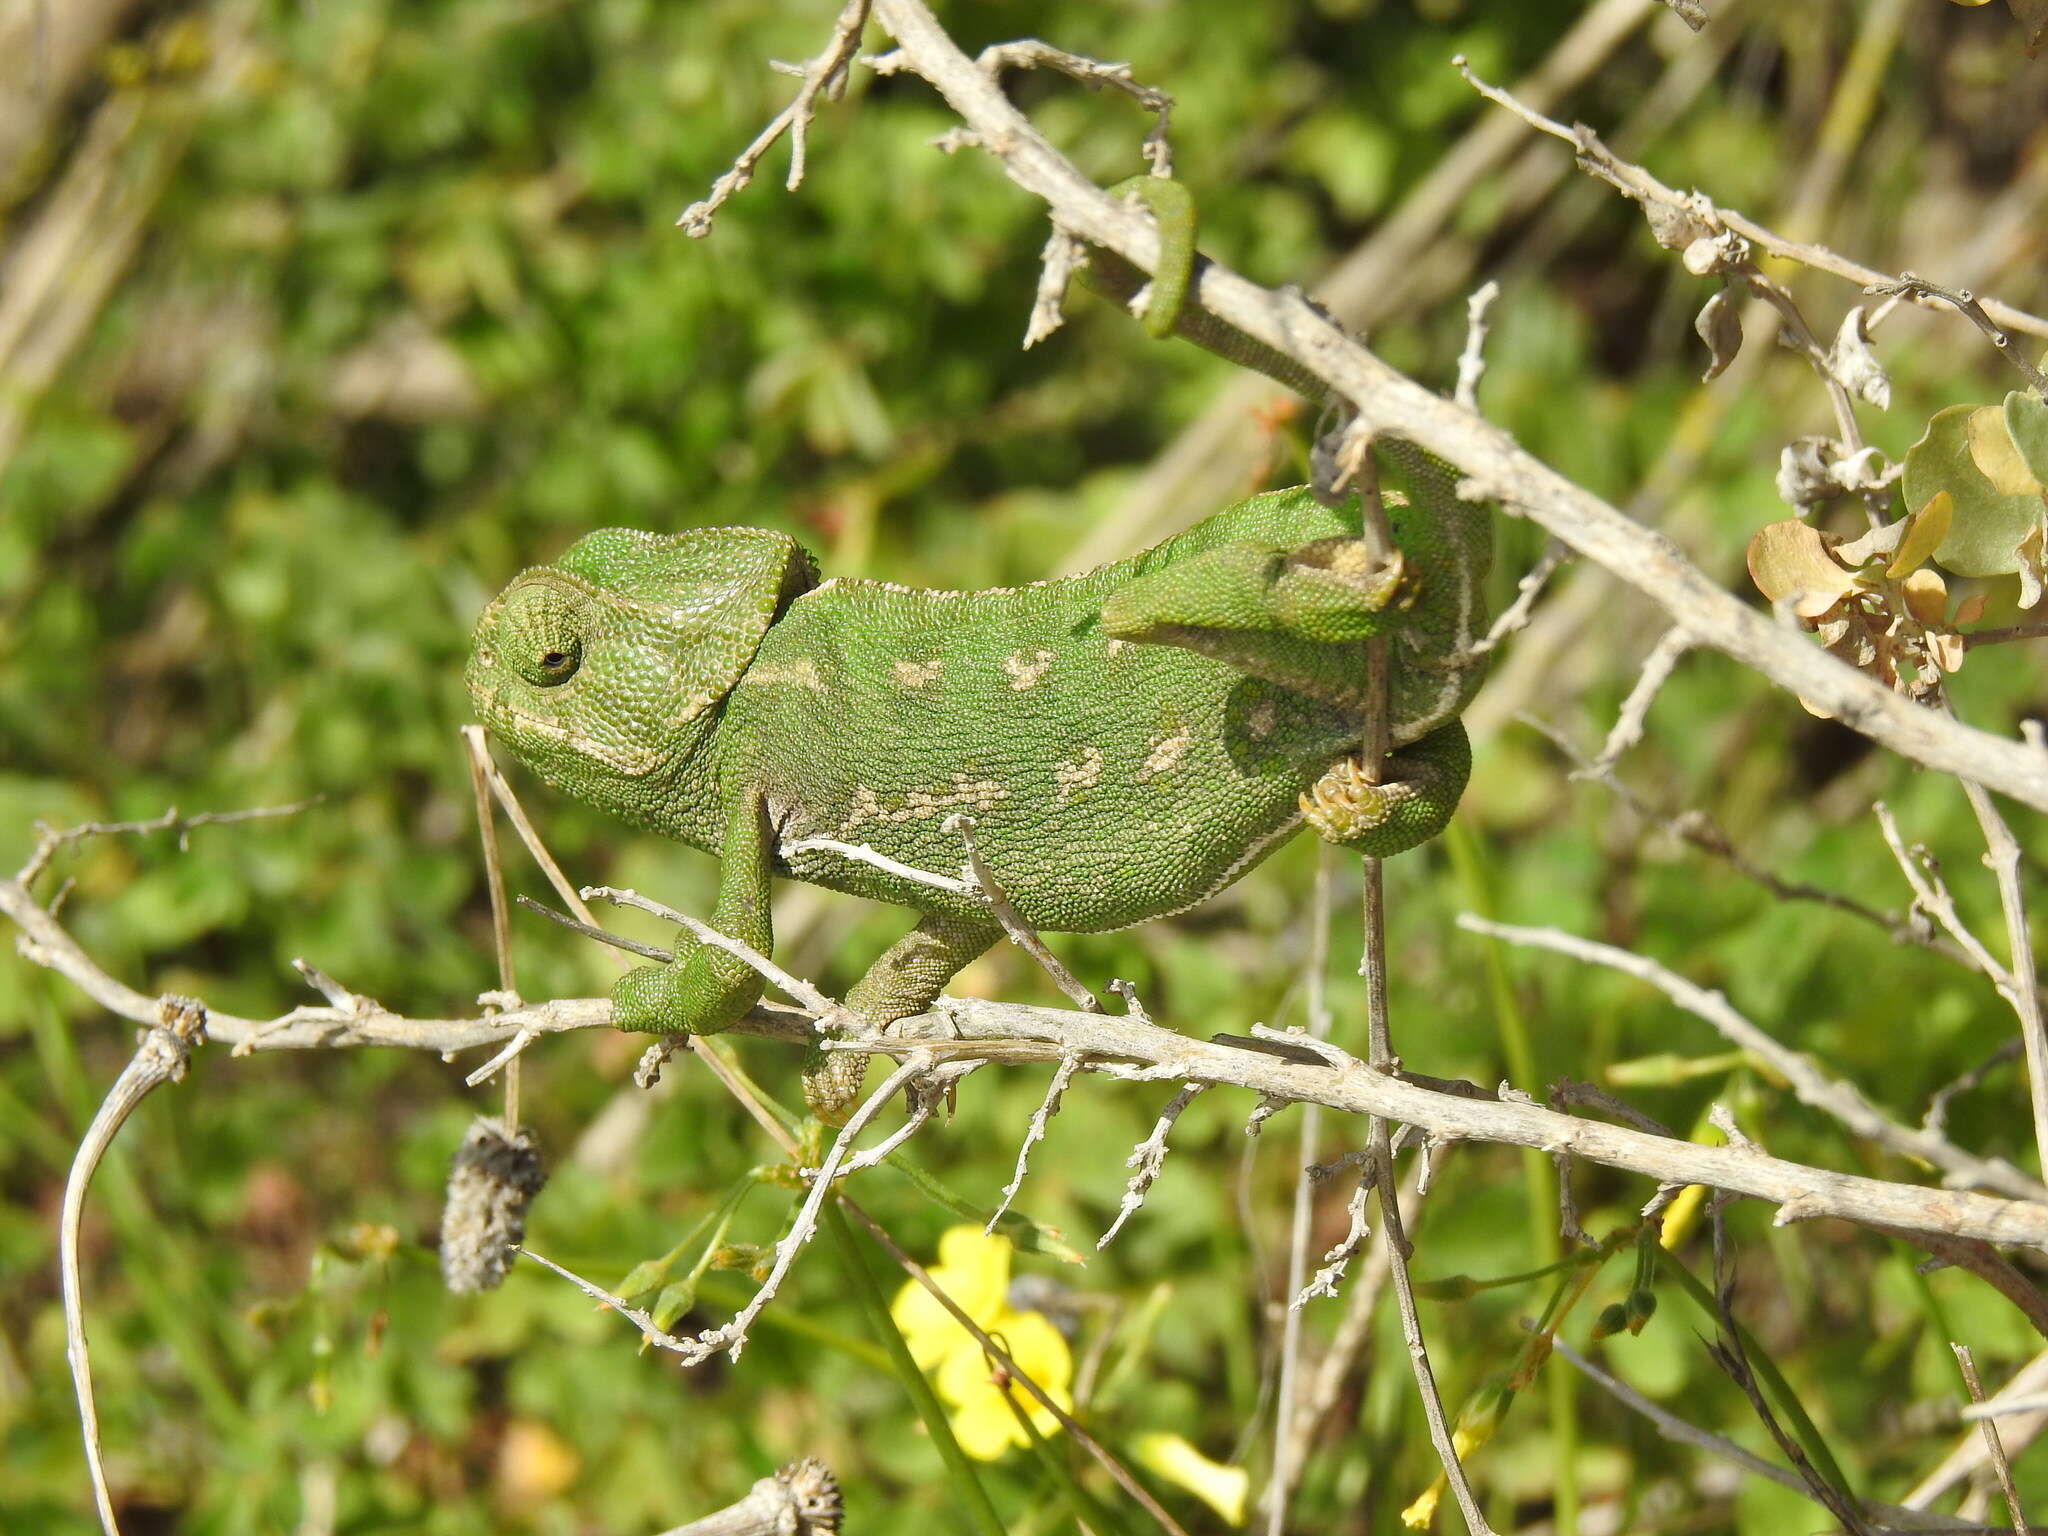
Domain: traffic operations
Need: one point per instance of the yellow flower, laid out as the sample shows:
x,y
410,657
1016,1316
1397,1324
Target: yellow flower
x,y
974,1270
1222,1488
1418,1515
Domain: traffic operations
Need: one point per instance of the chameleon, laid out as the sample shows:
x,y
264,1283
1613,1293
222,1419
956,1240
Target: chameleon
x,y
1127,741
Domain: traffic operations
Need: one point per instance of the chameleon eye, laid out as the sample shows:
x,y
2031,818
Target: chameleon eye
x,y
558,663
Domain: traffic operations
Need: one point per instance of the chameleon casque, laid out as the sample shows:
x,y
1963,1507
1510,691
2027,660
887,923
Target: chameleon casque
x,y
1128,741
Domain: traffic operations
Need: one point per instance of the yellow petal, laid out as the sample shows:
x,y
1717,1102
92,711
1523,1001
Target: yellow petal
x,y
534,1463
975,1271
1223,1488
968,1382
1039,1349
1418,1515
985,1427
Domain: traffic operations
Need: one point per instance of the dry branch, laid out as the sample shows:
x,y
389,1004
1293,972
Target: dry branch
x,y
177,1030
801,1499
1001,1032
1390,402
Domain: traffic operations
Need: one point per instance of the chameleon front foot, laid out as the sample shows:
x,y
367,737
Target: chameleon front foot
x,y
1412,803
688,998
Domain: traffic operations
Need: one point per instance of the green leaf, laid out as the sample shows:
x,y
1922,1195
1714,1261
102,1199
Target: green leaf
x,y
1984,538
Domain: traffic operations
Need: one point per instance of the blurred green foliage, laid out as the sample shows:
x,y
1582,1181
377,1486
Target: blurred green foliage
x,y
407,312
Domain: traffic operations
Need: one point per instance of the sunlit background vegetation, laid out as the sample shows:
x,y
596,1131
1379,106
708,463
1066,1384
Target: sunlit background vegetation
x,y
319,320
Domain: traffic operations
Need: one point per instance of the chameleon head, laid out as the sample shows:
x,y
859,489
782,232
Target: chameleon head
x,y
608,665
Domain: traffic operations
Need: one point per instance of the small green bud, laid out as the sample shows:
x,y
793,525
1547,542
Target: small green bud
x,y
1641,1307
671,1304
642,1278
1613,1319
1449,1288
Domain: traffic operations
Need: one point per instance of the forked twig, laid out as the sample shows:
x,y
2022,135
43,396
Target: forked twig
x,y
1148,1158
159,1058
825,75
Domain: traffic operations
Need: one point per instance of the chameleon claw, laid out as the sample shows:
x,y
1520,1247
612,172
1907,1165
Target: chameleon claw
x,y
1346,808
1409,806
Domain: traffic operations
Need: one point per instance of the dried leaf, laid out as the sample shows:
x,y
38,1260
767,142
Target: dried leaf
x,y
1803,479
1673,225
1924,532
1790,563
1715,253
1948,651
1997,456
2032,572
1880,543
1926,596
1853,362
1970,609
1719,324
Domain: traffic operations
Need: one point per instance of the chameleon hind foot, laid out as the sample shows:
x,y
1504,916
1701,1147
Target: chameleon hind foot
x,y
832,1082
904,980
1409,807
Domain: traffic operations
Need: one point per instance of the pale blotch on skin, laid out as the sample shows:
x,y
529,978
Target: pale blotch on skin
x,y
804,674
1026,671
1166,753
1077,774
965,795
916,674
1117,647
1263,717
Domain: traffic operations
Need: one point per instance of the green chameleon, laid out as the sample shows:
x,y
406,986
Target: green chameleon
x,y
1127,742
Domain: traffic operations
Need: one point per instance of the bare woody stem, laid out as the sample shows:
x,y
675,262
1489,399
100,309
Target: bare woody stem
x,y
1388,401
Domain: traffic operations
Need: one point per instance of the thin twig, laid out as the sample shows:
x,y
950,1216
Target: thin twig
x,y
619,941
1696,830
1673,1428
732,1336
802,992
1629,722
1727,1351
1148,1158
479,755
2002,855
1993,1446
1062,1075
49,839
1021,933
825,75
1515,616
1812,1086
1969,1452
1287,1456
1637,183
159,1058
1472,361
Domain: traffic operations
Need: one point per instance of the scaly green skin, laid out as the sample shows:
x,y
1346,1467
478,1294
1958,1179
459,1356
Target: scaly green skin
x,y
1128,741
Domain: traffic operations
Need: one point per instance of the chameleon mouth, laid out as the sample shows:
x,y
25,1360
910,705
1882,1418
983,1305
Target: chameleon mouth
x,y
520,728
